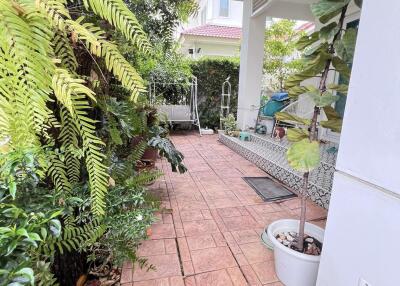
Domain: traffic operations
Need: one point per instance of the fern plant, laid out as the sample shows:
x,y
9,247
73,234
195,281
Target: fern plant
x,y
49,137
38,66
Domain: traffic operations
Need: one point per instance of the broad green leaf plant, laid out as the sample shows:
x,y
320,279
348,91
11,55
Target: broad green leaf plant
x,y
327,51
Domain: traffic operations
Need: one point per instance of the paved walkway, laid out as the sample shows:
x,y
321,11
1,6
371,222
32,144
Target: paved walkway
x,y
209,232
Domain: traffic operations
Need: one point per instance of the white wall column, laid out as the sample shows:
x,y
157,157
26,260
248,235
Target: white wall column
x,y
363,219
251,66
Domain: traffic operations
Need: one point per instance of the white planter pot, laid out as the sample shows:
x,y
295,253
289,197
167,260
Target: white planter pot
x,y
294,268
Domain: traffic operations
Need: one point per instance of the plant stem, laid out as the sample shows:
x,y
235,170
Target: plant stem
x,y
300,241
313,135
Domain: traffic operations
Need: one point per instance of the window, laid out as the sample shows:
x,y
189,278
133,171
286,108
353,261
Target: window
x,y
224,8
204,15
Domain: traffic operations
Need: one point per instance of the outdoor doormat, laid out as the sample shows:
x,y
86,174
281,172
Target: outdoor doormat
x,y
269,190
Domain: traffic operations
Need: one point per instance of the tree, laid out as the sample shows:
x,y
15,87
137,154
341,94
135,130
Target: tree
x,y
160,18
281,55
328,50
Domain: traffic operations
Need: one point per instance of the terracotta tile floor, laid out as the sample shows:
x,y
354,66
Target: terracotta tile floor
x,y
209,231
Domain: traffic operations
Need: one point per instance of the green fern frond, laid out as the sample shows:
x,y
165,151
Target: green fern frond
x,y
64,51
16,117
92,146
68,136
73,95
74,238
25,73
143,178
56,12
138,152
69,221
93,37
58,174
122,69
65,87
88,33
118,14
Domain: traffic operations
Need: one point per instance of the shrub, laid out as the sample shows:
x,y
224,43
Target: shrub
x,y
211,73
229,123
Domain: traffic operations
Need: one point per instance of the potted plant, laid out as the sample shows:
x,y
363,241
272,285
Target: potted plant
x,y
229,124
297,244
154,132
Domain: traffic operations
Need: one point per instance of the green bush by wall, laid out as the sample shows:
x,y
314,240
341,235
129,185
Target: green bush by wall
x,y
211,73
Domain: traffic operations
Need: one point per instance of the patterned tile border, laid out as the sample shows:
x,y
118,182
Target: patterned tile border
x,y
270,156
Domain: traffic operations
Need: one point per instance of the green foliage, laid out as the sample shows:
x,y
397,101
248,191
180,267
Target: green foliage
x,y
307,40
169,67
280,52
160,18
211,73
323,99
62,136
117,14
44,76
167,149
328,50
72,93
325,10
283,116
334,121
22,233
229,124
304,155
130,213
345,48
297,134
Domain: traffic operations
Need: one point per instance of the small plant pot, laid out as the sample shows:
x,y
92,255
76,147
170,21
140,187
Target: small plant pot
x,y
294,268
150,155
81,280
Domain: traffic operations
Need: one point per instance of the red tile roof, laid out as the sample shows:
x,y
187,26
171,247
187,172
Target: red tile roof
x,y
306,26
215,31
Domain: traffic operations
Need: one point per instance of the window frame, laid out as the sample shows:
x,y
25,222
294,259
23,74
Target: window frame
x,y
203,16
228,9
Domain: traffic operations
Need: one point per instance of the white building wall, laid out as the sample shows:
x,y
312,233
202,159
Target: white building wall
x,y
211,49
363,220
212,11
235,14
217,47
251,67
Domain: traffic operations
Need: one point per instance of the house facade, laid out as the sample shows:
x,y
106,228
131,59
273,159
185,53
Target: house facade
x,y
211,40
214,31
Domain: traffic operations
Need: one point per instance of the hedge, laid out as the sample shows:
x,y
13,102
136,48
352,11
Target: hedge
x,y
211,73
